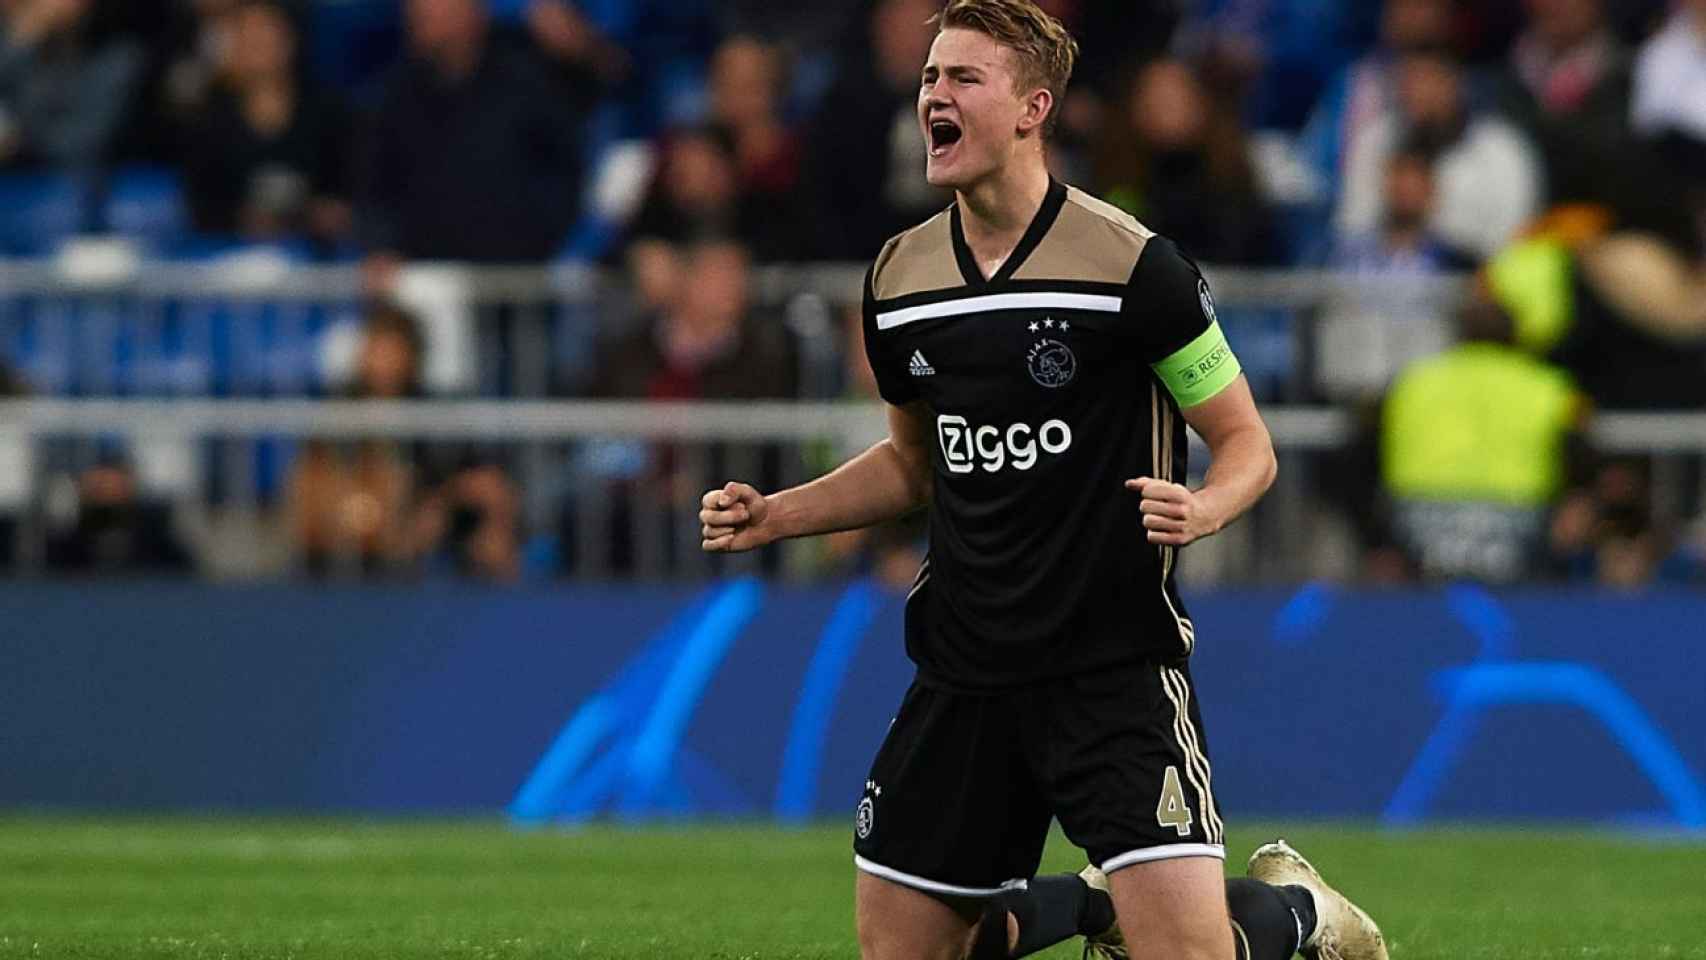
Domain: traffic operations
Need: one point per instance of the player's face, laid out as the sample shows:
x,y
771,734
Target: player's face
x,y
968,108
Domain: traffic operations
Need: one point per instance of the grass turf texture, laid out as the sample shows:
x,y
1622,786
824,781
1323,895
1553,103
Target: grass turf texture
x,y
209,888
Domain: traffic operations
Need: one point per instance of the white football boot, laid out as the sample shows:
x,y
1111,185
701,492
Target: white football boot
x,y
1342,930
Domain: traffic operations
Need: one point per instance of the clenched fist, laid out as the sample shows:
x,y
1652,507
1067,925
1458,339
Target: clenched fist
x,y
1173,514
732,519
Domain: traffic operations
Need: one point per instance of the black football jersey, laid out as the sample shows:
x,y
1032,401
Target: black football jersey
x,y
1047,386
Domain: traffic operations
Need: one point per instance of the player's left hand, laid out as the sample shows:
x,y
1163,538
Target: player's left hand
x,y
1173,514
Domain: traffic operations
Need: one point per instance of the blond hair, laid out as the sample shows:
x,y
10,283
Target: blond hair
x,y
1045,51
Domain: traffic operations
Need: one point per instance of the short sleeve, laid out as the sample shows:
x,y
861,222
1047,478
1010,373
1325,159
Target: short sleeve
x,y
891,382
1173,310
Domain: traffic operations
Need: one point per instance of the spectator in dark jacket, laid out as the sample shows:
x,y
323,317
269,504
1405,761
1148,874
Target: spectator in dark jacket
x,y
265,157
116,531
745,92
470,525
588,60
696,190
473,154
64,94
1569,84
705,345
1180,162
866,167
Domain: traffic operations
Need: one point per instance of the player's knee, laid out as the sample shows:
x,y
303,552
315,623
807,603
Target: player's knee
x,y
1213,944
1205,941
1182,937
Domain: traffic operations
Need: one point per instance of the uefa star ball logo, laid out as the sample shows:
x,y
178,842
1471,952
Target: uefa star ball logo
x,y
1052,363
865,818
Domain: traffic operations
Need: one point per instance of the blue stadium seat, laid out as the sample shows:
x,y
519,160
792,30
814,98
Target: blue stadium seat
x,y
38,343
41,211
147,204
173,355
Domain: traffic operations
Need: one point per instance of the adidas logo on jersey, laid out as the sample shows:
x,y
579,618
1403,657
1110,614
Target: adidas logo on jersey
x,y
921,367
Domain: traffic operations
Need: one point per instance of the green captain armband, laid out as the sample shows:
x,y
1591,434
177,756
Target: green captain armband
x,y
1201,369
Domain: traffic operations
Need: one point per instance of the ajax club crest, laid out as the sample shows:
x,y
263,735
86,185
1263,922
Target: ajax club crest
x,y
1051,363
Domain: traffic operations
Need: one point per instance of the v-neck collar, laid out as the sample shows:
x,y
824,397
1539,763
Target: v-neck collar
x,y
1046,214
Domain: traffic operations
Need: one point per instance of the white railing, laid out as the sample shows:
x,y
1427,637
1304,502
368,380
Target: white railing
x,y
90,324
277,278
1300,428
567,458
512,330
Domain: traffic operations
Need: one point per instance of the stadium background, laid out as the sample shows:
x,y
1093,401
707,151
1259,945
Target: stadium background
x,y
362,361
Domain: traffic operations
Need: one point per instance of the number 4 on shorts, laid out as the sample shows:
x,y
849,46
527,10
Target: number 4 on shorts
x,y
1172,811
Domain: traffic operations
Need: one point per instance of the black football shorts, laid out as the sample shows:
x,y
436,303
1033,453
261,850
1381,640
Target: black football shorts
x,y
959,798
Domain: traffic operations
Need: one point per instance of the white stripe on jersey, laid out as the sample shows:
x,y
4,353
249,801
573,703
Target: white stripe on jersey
x,y
1000,301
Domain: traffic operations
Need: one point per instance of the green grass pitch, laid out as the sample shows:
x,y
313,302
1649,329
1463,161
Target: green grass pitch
x,y
239,888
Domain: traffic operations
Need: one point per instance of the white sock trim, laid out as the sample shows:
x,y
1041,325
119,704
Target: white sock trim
x,y
1171,851
932,886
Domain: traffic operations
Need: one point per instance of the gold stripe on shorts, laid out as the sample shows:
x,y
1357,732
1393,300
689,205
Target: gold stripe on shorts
x,y
1196,762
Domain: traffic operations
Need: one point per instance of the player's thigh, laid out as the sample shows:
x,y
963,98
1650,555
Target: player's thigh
x,y
897,922
1128,770
1173,909
951,808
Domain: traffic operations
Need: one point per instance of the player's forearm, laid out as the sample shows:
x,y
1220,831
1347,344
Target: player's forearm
x,y
878,485
1243,468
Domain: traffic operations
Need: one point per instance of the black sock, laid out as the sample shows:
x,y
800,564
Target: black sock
x,y
1098,914
991,940
1269,922
1056,908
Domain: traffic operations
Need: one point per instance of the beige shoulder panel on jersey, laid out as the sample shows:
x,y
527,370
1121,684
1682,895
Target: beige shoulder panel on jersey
x,y
919,260
1090,240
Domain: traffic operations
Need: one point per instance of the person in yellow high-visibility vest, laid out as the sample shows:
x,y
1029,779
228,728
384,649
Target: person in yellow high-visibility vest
x,y
1473,451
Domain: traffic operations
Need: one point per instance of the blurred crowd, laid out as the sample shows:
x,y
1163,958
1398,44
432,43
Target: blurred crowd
x,y
1553,151
527,130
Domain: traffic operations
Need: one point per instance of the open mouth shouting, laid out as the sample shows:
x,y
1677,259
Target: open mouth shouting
x,y
944,134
